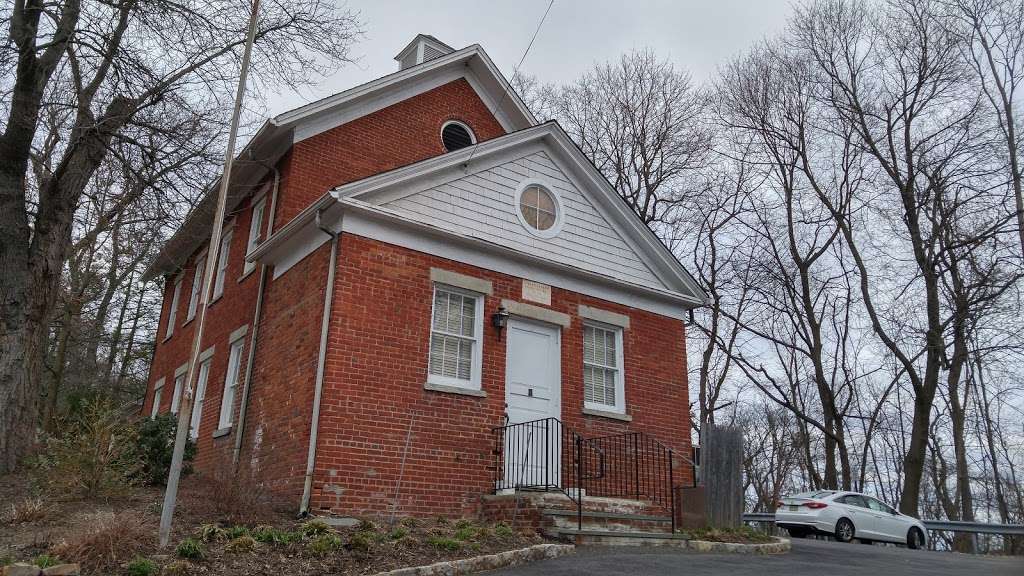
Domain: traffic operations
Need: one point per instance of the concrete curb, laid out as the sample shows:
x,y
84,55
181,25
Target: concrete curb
x,y
489,562
780,546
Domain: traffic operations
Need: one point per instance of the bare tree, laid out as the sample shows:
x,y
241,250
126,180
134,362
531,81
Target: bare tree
x,y
109,65
640,121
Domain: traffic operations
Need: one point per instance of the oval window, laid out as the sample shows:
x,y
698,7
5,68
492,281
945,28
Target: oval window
x,y
456,135
538,208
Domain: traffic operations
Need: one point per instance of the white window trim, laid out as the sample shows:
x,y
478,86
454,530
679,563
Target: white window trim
x,y
223,259
620,372
559,208
202,380
478,330
255,233
197,286
179,384
172,315
158,389
472,135
231,378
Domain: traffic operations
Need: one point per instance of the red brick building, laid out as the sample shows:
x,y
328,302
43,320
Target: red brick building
x,y
407,266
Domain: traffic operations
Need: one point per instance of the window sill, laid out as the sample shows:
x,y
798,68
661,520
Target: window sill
x,y
187,321
246,274
214,300
221,432
608,414
454,390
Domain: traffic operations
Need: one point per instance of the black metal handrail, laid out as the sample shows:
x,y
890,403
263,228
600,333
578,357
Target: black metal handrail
x,y
539,455
635,466
547,455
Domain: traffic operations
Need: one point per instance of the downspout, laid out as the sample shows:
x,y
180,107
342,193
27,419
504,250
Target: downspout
x,y
251,358
307,488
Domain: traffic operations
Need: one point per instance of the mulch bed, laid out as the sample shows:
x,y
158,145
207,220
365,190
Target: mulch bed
x,y
235,536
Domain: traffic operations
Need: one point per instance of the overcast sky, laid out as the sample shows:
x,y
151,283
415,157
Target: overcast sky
x,y
698,35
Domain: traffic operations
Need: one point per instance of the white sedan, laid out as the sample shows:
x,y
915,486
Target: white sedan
x,y
848,515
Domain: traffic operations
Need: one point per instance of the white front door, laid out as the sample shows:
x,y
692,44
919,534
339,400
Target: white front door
x,y
533,395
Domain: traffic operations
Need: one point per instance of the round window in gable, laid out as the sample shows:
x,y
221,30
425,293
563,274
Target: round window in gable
x,y
539,209
455,135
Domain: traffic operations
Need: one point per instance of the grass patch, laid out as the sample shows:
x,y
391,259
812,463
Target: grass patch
x,y
315,527
738,535
190,548
324,544
444,543
240,545
45,561
142,567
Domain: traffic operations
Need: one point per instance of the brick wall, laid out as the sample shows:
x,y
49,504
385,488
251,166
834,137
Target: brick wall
x,y
395,136
374,398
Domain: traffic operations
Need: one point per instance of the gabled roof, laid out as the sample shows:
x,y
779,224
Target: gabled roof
x,y
368,194
279,133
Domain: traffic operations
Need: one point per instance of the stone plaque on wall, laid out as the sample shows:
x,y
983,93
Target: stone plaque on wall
x,y
537,292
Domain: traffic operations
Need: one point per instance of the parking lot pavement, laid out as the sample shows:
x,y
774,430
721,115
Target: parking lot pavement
x,y
808,557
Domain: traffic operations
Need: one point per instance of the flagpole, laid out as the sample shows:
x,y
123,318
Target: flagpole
x,y
186,404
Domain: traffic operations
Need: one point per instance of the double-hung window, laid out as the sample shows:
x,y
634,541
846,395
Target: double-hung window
x,y
227,402
197,403
456,338
179,383
197,286
222,264
157,392
255,232
172,316
603,381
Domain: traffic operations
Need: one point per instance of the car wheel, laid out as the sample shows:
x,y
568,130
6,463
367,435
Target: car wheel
x,y
797,532
915,539
845,530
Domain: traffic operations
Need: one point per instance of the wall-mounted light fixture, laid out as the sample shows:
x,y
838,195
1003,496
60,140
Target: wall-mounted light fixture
x,y
499,320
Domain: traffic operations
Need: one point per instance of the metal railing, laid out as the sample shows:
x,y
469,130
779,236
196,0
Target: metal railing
x,y
931,525
547,455
632,465
539,455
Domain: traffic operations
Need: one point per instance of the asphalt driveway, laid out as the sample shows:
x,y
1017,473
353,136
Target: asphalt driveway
x,y
808,558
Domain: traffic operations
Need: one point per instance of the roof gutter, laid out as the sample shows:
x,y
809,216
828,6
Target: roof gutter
x,y
325,322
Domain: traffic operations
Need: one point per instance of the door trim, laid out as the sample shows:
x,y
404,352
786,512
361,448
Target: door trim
x,y
515,318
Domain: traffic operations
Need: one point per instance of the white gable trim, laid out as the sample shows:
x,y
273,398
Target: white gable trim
x,y
389,186
471,63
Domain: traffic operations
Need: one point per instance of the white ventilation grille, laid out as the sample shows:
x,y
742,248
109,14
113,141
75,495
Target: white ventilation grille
x,y
422,49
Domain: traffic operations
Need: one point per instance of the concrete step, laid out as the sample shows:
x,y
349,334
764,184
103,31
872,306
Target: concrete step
x,y
607,521
616,538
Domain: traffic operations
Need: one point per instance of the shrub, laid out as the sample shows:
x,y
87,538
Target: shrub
x,y
324,543
465,533
27,510
45,561
502,530
398,533
361,542
212,533
177,568
190,548
155,446
315,527
94,454
443,543
228,499
366,526
240,545
107,540
142,567
235,532
270,535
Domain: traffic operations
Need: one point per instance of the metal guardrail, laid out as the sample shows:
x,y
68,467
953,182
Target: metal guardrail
x,y
940,525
